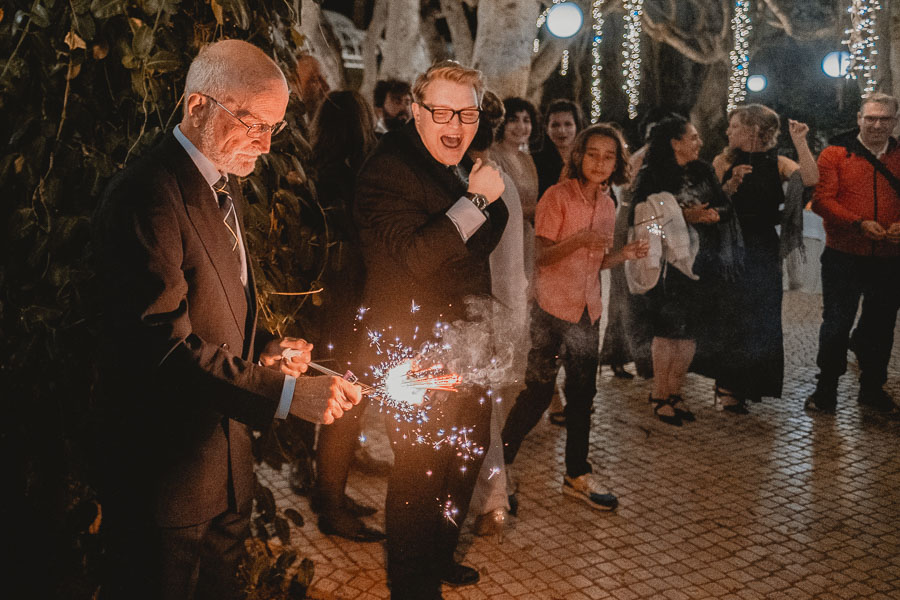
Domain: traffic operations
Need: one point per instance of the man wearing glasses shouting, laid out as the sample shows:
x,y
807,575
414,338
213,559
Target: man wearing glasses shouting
x,y
428,220
858,197
181,381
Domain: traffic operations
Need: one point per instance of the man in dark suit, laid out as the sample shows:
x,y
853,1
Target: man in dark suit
x,y
426,236
181,382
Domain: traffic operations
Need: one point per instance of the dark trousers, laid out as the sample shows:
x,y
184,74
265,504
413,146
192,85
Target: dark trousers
x,y
845,279
197,562
334,453
421,539
548,334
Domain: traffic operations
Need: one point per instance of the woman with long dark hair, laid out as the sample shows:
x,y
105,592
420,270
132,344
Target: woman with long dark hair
x,y
681,300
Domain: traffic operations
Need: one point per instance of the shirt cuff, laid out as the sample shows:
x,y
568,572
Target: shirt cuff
x,y
466,217
287,395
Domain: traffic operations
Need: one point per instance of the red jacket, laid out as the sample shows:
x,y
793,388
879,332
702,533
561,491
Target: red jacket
x,y
851,189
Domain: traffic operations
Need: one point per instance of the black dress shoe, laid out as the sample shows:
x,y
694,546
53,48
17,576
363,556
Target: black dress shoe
x,y
876,399
620,372
457,575
355,508
823,401
318,505
347,526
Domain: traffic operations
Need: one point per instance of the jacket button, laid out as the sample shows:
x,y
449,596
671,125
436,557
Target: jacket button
x,y
225,346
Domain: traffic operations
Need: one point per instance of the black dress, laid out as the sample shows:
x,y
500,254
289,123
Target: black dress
x,y
549,164
754,360
679,307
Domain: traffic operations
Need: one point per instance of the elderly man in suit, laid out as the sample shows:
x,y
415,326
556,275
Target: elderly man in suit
x,y
181,382
427,234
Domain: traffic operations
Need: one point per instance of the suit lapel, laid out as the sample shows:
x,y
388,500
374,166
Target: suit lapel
x,y
239,206
200,205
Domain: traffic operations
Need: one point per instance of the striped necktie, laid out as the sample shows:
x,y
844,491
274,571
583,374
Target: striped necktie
x,y
226,207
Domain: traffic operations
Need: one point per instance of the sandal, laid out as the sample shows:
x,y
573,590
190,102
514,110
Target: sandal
x,y
667,419
681,408
728,401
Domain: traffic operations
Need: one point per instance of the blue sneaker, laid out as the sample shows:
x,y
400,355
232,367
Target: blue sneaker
x,y
587,487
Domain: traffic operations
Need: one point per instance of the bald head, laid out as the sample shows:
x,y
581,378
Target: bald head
x,y
230,68
235,97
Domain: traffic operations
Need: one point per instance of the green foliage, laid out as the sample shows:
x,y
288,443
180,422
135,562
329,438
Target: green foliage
x,y
272,573
86,86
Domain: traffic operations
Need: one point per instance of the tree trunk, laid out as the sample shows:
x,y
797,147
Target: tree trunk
x,y
370,48
542,66
403,54
460,34
503,46
323,44
708,114
893,43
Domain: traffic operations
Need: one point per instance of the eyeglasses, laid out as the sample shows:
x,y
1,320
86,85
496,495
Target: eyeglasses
x,y
467,116
871,120
256,130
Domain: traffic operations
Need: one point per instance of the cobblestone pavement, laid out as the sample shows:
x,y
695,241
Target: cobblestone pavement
x,y
776,504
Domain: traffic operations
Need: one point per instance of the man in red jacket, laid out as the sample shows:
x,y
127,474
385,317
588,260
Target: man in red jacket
x,y
858,197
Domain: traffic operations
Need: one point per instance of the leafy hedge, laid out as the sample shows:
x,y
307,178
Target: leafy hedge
x,y
85,87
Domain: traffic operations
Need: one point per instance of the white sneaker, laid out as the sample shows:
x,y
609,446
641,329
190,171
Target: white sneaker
x,y
588,488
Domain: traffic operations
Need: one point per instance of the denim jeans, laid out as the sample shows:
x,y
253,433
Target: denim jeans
x,y
845,279
548,334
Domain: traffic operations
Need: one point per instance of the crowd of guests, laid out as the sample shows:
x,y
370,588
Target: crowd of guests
x,y
442,191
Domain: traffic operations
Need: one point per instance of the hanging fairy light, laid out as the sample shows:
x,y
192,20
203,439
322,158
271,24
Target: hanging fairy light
x,y
596,67
631,53
861,42
740,57
563,20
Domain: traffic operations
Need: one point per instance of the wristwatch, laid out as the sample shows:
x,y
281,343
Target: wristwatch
x,y
857,224
479,200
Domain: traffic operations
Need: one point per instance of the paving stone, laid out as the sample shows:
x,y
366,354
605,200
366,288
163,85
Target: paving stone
x,y
777,504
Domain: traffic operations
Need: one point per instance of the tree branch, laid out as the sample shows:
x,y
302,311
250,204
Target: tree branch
x,y
460,34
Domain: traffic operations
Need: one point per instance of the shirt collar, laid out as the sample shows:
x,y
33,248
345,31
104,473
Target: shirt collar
x,y
880,152
204,165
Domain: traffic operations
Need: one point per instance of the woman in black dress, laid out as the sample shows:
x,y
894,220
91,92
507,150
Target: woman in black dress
x,y
680,306
753,174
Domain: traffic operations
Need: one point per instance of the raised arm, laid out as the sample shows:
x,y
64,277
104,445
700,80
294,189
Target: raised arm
x,y
809,171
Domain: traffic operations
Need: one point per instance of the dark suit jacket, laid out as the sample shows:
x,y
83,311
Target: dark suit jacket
x,y
412,249
178,386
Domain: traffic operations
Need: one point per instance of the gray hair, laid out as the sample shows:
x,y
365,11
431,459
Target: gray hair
x,y
229,65
881,98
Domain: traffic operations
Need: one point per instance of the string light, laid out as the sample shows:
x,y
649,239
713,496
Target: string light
x,y
564,67
740,57
861,42
596,67
540,23
631,53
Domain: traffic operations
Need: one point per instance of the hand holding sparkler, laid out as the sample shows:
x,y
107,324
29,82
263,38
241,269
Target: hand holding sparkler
x,y
323,399
289,355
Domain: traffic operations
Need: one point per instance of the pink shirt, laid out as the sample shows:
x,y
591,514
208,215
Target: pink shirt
x,y
566,287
